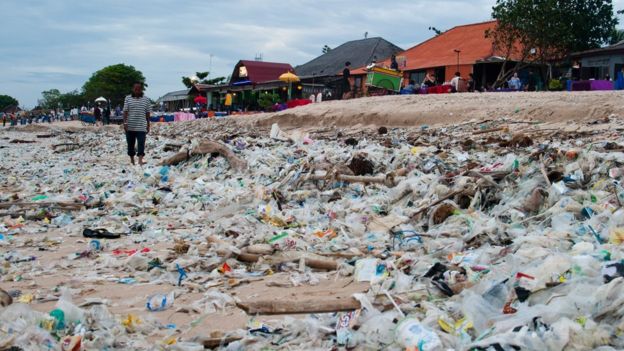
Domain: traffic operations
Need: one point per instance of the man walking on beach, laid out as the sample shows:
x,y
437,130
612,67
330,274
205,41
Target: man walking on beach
x,y
136,114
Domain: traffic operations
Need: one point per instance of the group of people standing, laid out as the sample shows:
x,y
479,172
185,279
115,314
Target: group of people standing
x,y
102,114
29,117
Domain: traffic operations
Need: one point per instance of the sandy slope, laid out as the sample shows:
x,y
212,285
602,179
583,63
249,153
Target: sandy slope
x,y
416,110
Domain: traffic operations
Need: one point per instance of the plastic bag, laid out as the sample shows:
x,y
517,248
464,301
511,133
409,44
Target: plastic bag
x,y
160,302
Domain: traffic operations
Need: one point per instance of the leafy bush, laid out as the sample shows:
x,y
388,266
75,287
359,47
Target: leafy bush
x,y
555,85
265,101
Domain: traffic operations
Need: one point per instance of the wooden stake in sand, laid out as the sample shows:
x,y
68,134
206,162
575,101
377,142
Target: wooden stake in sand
x,y
208,147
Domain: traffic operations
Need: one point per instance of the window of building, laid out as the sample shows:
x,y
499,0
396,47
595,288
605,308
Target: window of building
x,y
418,77
358,83
242,72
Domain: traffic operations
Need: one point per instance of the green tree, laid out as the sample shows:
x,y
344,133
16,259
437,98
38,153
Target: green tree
x,y
72,99
326,49
6,101
113,83
188,82
214,81
617,36
547,31
53,98
50,99
265,101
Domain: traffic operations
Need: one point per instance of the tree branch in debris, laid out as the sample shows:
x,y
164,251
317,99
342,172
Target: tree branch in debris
x,y
208,147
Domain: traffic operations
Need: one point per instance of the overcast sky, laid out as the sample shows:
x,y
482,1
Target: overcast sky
x,y
58,44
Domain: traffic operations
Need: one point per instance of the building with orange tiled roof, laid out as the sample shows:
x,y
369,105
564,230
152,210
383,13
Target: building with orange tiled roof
x,y
463,49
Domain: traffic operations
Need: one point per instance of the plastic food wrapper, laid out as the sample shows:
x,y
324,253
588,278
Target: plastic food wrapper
x,y
370,270
345,321
411,334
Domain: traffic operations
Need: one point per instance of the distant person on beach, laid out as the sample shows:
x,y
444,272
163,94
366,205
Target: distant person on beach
x,y
515,83
455,82
430,80
619,80
228,102
106,114
471,83
136,114
97,113
532,82
411,87
346,84
393,63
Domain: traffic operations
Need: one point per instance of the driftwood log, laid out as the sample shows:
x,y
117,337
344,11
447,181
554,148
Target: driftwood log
x,y
310,260
388,180
58,148
66,145
204,148
498,129
69,206
322,304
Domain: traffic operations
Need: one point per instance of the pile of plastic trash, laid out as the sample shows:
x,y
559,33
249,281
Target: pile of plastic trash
x,y
475,237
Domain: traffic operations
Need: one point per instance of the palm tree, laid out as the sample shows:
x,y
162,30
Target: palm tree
x,y
617,36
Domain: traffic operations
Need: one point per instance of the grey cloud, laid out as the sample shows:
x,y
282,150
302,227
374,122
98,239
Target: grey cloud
x,y
59,44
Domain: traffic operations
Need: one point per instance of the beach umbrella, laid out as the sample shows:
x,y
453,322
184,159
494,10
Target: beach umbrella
x,y
101,99
289,78
200,99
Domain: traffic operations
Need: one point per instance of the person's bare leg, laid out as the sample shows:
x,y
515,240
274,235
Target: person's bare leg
x,y
141,161
132,159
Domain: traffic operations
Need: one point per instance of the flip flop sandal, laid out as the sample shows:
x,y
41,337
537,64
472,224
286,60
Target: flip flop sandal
x,y
99,234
